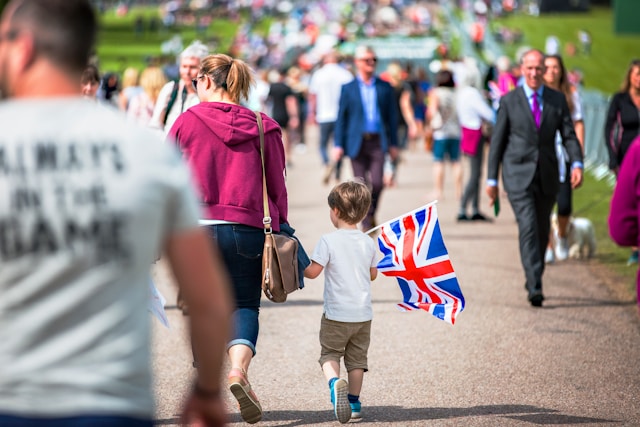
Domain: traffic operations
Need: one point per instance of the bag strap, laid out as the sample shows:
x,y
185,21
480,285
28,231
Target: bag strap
x,y
172,100
266,221
615,136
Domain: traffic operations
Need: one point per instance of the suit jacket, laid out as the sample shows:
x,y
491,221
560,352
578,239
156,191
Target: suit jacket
x,y
351,119
521,149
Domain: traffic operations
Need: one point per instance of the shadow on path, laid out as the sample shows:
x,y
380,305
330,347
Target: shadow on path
x,y
575,302
398,414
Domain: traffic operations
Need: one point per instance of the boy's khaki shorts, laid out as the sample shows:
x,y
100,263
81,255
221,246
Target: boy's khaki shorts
x,y
345,339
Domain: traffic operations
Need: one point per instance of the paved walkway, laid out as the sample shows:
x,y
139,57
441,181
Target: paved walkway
x,y
504,363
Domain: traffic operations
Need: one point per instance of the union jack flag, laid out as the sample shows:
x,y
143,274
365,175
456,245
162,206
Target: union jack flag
x,y
414,253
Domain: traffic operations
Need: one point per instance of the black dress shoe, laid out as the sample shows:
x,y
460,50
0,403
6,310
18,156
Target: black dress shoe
x,y
462,217
536,299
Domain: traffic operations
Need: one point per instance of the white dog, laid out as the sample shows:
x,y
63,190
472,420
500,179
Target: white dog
x,y
581,237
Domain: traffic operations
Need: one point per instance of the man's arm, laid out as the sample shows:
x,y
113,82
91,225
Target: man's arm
x,y
499,138
312,100
406,109
205,286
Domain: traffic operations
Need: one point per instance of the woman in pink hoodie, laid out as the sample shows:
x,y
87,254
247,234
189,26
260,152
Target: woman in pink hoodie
x,y
624,215
220,140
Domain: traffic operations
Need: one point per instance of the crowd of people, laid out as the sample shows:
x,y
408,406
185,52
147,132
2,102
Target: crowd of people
x,y
76,290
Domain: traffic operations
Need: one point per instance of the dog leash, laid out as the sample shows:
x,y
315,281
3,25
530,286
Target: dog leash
x,y
590,206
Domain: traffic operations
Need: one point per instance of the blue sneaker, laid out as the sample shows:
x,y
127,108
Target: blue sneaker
x,y
633,258
356,410
341,406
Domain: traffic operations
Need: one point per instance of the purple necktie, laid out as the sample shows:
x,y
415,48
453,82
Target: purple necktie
x,y
535,109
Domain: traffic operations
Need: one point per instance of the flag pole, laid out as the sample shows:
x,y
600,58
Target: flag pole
x,y
400,216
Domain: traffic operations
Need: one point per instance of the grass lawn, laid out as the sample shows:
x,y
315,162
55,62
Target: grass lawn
x,y
119,47
610,55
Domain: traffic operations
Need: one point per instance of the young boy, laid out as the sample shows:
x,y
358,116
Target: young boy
x,y
348,258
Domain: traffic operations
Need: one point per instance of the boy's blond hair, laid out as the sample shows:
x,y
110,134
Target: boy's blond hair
x,y
352,200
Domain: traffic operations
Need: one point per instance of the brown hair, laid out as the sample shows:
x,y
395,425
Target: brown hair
x,y
233,75
90,75
352,200
564,84
626,84
64,30
444,78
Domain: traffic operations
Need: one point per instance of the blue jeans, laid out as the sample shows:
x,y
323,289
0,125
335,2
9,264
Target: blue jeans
x,y
241,247
84,421
326,132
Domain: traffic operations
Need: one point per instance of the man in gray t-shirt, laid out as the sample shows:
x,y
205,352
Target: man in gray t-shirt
x,y
87,202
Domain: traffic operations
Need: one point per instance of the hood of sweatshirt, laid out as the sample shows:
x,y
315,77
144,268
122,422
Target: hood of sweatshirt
x,y
232,124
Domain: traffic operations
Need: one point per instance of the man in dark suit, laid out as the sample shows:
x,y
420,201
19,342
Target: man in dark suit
x,y
367,124
523,143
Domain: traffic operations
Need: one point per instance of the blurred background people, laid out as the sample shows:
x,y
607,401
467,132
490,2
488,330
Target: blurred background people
x,y
555,77
130,87
623,124
504,81
141,106
473,110
109,89
623,117
443,117
297,80
284,109
90,81
178,96
324,98
407,128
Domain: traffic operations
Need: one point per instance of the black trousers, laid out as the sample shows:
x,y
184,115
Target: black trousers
x,y
368,165
532,208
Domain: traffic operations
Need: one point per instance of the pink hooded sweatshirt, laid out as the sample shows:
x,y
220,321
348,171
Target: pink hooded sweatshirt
x,y
624,214
221,143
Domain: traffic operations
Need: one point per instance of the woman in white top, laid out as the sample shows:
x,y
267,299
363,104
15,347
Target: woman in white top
x,y
142,105
555,77
473,109
130,87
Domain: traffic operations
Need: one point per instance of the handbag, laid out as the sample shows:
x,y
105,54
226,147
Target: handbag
x,y
280,253
470,141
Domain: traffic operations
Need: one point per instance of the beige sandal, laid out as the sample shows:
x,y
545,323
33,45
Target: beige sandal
x,y
250,408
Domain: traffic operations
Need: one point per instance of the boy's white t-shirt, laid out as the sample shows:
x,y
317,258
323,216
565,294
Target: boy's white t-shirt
x,y
347,256
87,200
